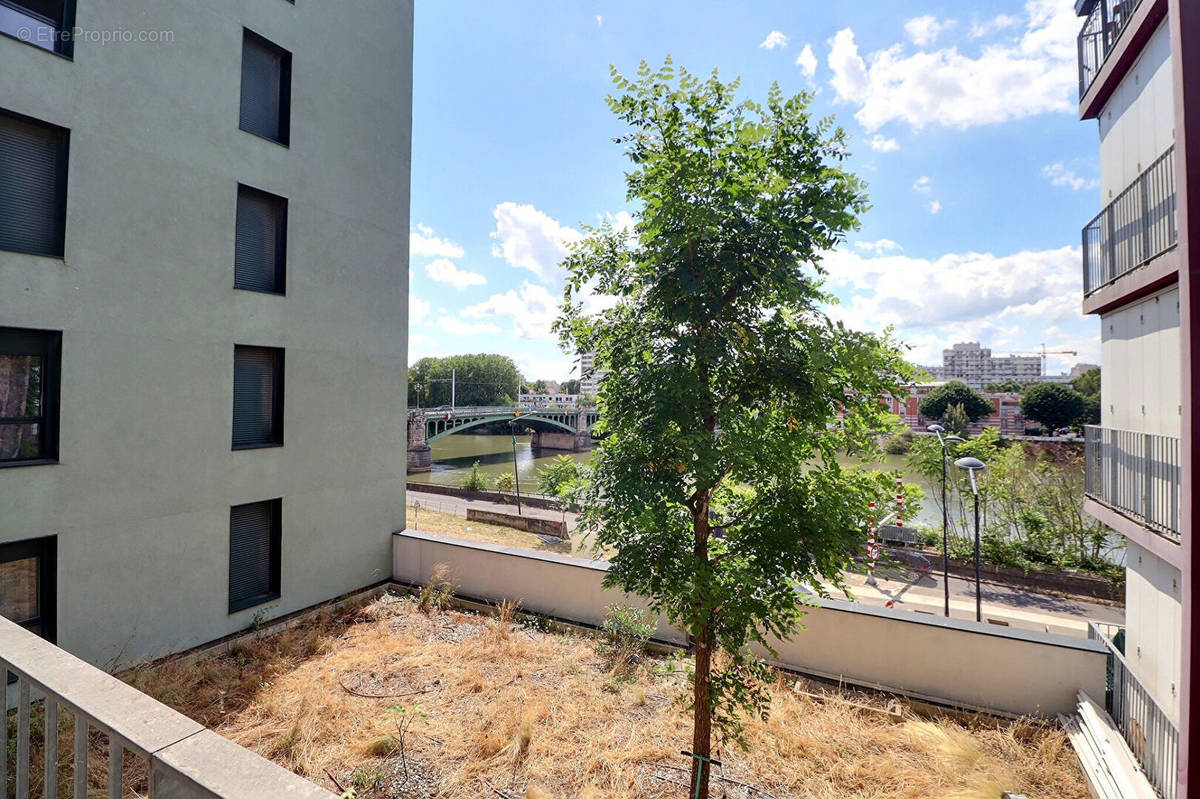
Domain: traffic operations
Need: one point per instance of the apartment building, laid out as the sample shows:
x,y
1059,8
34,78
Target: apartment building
x,y
1141,86
977,367
589,376
204,213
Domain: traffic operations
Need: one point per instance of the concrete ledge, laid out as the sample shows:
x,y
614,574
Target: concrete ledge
x,y
1007,671
530,524
207,765
486,496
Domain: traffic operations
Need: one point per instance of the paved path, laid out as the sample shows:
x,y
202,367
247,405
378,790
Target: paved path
x,y
908,590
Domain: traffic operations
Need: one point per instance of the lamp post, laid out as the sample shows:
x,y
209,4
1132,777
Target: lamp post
x,y
937,430
973,465
512,428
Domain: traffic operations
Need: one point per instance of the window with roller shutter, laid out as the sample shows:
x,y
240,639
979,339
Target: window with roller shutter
x,y
260,241
255,537
257,397
266,88
33,185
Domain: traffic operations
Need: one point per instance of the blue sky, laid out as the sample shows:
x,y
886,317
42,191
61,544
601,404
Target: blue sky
x,y
962,119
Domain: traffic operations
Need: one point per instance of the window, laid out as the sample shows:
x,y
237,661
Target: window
x,y
257,397
29,368
266,88
261,241
27,584
33,185
43,23
254,543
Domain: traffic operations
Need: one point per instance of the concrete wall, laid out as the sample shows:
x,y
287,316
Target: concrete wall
x,y
954,662
1137,123
1154,625
140,499
1140,381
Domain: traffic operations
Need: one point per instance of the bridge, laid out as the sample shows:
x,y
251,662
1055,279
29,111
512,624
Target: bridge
x,y
567,429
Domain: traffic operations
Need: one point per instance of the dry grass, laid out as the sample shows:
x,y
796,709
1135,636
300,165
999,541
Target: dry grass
x,y
501,709
448,524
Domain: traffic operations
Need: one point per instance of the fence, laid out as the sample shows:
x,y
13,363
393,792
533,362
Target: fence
x,y
1099,35
182,759
1137,474
1134,228
1151,736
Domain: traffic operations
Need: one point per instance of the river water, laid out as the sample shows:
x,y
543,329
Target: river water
x,y
454,455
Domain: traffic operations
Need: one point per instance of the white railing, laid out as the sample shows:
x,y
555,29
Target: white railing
x,y
181,759
1137,474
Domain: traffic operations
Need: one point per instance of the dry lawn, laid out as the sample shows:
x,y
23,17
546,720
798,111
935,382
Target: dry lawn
x,y
431,521
497,708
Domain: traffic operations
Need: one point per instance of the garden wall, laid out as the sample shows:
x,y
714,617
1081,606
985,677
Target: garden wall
x,y
949,661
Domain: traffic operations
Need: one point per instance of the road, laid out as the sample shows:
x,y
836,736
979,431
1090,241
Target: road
x,y
907,590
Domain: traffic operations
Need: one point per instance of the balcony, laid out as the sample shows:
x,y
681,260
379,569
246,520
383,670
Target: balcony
x,y
1099,36
1152,738
1134,228
1135,474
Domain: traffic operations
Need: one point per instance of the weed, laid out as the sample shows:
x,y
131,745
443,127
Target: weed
x,y
625,633
437,593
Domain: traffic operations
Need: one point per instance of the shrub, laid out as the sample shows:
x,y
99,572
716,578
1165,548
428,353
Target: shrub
x,y
506,483
898,445
437,593
475,479
626,631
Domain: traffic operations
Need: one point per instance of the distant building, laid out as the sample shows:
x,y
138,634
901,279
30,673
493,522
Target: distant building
x,y
974,365
589,376
550,398
1005,417
1081,369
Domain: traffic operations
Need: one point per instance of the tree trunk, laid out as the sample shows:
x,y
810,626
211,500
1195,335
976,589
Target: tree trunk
x,y
702,716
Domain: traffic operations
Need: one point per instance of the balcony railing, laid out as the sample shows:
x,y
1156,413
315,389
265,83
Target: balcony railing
x,y
1151,736
1136,474
1099,35
1134,228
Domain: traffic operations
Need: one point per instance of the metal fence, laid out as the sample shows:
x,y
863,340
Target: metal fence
x,y
1135,227
1137,474
1151,736
1099,35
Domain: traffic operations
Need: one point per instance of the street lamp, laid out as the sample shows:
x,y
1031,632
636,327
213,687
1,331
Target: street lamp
x,y
973,465
512,428
937,430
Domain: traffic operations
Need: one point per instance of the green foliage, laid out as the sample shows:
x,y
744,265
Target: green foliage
x,y
475,480
624,635
726,372
506,483
1052,405
897,445
557,476
1010,386
955,392
1088,383
955,420
480,379
570,386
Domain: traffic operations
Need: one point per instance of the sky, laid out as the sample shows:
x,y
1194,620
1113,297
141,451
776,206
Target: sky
x,y
962,119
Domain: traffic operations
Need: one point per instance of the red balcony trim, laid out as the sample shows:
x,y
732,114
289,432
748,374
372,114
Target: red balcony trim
x,y
1148,278
1135,531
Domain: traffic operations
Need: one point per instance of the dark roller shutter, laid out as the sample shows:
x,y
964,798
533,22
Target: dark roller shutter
x,y
51,10
265,89
259,257
33,160
256,396
253,553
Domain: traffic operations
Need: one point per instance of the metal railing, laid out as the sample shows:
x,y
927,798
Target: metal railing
x,y
1099,35
1151,736
170,754
1137,474
1134,228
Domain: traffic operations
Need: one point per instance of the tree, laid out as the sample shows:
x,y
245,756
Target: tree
x,y
559,473
481,379
933,405
570,386
1010,386
1052,405
731,391
1088,383
956,420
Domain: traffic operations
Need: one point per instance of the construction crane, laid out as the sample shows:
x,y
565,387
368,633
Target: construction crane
x,y
1044,352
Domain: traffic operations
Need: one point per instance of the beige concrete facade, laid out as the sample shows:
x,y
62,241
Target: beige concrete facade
x,y
141,495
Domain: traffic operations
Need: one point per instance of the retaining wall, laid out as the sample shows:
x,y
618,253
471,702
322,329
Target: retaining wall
x,y
959,663
530,524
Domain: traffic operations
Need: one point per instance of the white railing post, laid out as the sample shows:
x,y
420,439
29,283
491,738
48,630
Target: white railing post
x,y
81,752
51,787
22,765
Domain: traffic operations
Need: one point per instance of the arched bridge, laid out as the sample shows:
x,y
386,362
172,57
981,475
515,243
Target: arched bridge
x,y
553,428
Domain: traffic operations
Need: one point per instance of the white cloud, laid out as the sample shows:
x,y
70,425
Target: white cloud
x,y
1032,75
878,247
882,144
599,20
422,244
925,29
774,39
924,184
443,270
546,368
533,310
1062,175
934,207
997,23
418,309
530,239
457,327
807,61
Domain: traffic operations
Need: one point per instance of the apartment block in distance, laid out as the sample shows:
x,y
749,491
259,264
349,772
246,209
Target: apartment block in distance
x,y
1142,88
203,327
